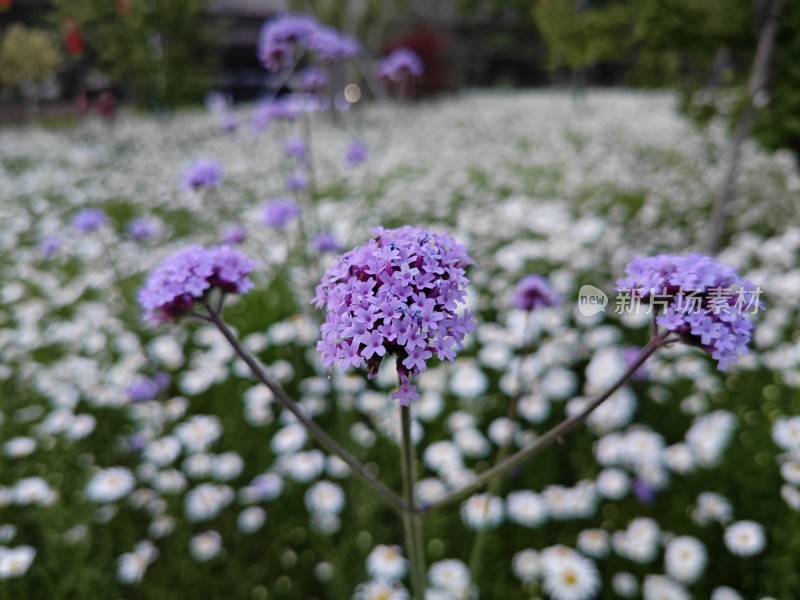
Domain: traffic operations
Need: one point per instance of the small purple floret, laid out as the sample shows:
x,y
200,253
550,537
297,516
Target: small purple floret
x,y
201,174
278,213
397,294
357,152
89,219
534,292
142,229
174,287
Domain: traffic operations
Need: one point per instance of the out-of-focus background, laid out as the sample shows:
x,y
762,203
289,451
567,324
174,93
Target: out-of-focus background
x,y
159,55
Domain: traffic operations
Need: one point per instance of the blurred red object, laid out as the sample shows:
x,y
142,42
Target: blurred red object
x,y
107,104
82,104
73,38
5,4
123,7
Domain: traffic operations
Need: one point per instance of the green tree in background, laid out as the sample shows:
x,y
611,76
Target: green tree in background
x,y
156,48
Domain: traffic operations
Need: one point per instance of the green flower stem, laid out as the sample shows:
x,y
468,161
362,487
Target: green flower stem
x,y
412,521
553,434
331,445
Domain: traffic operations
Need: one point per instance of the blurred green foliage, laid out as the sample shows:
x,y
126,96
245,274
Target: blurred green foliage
x,y
27,55
155,48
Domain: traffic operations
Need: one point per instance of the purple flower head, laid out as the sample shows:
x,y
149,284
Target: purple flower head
x,y
400,65
325,242
534,292
706,304
201,174
331,46
184,278
311,79
89,219
280,36
397,294
49,245
296,148
143,388
234,235
644,493
297,181
278,213
142,229
357,152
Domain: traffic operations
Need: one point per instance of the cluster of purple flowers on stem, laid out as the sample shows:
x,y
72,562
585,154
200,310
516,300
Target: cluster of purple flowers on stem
x,y
397,294
401,64
174,287
89,219
201,174
281,38
534,292
706,304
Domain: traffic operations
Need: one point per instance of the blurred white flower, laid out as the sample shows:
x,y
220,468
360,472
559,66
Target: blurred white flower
x,y
109,485
205,546
482,511
745,538
387,563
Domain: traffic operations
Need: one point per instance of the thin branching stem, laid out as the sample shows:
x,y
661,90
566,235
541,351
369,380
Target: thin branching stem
x,y
331,445
550,436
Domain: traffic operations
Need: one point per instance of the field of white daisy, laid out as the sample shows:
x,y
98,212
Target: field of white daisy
x,y
142,457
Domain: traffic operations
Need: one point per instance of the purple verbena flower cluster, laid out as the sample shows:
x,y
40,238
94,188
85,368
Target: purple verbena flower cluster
x,y
357,152
278,213
174,287
280,38
201,174
285,108
401,64
142,229
708,305
534,292
89,219
397,294
311,79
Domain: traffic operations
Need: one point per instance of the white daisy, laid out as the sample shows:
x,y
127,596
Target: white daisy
x,y
450,575
613,483
482,511
251,519
685,558
571,577
19,447
162,451
625,584
712,507
289,439
109,485
380,590
227,466
386,563
205,546
527,565
206,500
471,442
324,498
15,562
442,455
131,566
786,432
302,467
198,432
594,542
659,587
725,593
745,538
533,408
526,508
